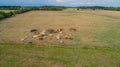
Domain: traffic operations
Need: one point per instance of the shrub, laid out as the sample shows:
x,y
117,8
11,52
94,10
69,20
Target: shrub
x,y
1,16
9,14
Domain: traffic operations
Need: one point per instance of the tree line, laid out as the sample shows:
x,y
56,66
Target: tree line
x,y
49,8
10,7
99,8
55,8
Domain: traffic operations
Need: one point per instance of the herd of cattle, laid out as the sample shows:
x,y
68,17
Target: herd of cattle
x,y
55,33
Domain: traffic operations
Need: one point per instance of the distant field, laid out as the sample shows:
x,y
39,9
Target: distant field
x,y
6,10
95,44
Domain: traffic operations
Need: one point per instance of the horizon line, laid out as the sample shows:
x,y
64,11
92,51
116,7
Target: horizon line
x,y
58,5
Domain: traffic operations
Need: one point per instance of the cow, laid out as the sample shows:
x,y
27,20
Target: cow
x,y
73,29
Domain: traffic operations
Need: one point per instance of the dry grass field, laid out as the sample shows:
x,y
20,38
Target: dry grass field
x,y
93,27
95,43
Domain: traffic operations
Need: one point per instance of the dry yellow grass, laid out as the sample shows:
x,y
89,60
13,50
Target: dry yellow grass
x,y
87,22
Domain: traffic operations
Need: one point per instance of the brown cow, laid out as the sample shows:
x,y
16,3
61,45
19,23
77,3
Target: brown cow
x,y
41,36
51,31
68,37
23,39
35,31
73,29
60,30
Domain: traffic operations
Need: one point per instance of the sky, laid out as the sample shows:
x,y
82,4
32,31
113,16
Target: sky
x,y
73,3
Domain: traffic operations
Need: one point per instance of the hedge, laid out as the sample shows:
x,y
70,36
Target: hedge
x,y
4,15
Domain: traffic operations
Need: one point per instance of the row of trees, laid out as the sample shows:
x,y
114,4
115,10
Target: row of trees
x,y
53,8
12,13
57,8
99,8
10,7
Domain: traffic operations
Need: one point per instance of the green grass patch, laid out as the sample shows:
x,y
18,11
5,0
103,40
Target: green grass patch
x,y
12,55
110,37
9,63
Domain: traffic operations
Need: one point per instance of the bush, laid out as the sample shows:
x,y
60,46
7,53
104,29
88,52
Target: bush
x,y
9,14
1,16
5,15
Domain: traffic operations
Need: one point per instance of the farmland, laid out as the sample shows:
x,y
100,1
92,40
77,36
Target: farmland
x,y
6,10
95,43
94,28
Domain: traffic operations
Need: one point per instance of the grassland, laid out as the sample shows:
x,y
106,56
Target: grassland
x,y
94,28
7,10
24,55
95,44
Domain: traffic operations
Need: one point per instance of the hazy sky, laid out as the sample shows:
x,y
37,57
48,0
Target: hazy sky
x,y
114,3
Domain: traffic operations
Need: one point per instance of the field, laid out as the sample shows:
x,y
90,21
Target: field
x,y
6,10
25,55
94,28
95,43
